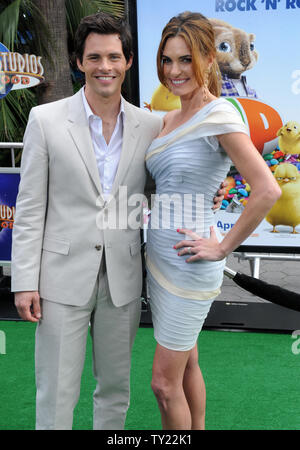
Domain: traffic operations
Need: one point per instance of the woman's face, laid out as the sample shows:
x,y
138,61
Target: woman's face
x,y
178,68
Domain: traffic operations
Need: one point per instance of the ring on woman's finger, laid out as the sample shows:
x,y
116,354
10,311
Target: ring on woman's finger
x,y
189,249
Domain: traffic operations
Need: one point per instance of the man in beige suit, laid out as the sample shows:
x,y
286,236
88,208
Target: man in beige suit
x,y
76,256
69,268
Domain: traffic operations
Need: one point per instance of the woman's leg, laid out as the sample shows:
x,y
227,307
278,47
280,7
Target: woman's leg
x,y
167,384
194,389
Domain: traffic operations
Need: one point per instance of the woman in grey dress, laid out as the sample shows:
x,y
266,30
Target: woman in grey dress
x,y
185,254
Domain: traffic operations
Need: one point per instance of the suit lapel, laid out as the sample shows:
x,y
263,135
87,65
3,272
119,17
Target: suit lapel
x,y
80,133
130,136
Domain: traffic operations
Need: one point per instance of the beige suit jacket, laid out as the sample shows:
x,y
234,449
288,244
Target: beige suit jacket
x,y
63,224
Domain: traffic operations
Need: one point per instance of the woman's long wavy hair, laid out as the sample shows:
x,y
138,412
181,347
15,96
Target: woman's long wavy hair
x,y
199,36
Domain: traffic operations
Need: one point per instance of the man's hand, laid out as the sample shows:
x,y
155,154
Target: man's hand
x,y
219,196
28,305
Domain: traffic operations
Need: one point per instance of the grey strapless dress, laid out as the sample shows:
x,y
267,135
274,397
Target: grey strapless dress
x,y
188,166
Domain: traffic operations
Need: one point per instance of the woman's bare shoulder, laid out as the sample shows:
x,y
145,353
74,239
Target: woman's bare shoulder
x,y
169,116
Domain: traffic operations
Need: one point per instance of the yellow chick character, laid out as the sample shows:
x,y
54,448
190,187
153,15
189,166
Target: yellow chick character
x,y
289,138
286,211
163,100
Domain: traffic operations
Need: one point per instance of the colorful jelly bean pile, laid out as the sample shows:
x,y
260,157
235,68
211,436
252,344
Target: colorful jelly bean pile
x,y
277,157
239,189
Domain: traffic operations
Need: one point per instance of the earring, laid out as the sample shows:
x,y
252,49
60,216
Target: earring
x,y
205,97
205,85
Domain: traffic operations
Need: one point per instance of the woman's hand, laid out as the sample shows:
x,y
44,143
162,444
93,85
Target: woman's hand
x,y
219,197
199,247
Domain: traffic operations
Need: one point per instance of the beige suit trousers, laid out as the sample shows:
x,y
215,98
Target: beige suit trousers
x,y
60,354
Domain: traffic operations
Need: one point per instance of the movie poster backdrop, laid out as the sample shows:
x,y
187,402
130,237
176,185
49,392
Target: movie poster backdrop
x,y
16,72
9,184
256,42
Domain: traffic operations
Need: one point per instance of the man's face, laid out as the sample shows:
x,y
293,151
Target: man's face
x,y
104,65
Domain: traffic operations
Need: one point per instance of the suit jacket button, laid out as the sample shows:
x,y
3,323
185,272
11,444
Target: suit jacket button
x,y
98,247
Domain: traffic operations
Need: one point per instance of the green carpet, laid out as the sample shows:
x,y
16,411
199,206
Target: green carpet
x,y
252,381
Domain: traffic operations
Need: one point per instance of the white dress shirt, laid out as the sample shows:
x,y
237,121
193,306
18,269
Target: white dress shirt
x,y
107,155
